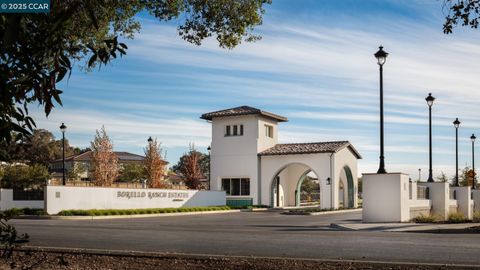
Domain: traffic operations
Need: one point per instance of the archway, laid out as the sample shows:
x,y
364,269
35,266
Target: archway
x,y
348,190
307,192
285,188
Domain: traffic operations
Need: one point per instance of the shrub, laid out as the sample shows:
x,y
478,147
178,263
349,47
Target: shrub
x,y
457,217
476,216
425,219
106,212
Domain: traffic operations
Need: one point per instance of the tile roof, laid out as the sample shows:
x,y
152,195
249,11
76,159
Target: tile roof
x,y
309,148
242,110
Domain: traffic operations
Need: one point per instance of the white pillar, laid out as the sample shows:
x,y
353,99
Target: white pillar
x,y
440,197
385,197
464,201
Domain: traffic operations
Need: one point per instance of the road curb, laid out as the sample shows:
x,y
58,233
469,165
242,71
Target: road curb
x,y
335,212
403,227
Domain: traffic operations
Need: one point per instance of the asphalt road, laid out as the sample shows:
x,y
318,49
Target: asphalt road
x,y
269,234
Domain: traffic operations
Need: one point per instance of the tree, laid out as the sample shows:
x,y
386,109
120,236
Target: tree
x,y
75,172
461,12
442,177
203,162
190,168
132,172
38,49
104,160
154,165
40,147
24,176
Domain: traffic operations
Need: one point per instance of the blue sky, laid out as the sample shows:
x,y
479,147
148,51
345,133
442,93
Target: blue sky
x,y
314,65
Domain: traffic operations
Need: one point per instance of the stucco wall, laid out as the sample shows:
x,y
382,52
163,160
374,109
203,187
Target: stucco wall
x,y
234,156
7,202
386,197
60,198
439,195
476,199
464,201
343,158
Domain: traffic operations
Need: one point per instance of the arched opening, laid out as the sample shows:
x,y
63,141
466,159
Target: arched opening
x,y
307,192
346,188
289,182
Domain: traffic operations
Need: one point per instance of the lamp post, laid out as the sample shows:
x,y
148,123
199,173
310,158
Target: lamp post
x,y
63,128
419,174
209,149
456,124
473,159
381,56
430,100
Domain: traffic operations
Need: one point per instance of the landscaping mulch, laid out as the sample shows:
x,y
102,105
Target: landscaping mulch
x,y
66,260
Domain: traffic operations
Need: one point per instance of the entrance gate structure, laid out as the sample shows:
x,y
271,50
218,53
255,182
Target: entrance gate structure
x,y
333,164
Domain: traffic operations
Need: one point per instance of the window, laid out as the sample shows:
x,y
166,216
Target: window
x,y
269,131
226,185
227,131
236,186
233,130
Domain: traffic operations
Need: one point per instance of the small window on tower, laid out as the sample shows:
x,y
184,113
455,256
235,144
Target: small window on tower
x,y
269,131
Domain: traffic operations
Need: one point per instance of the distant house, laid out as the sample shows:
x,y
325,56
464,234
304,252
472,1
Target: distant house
x,y
82,162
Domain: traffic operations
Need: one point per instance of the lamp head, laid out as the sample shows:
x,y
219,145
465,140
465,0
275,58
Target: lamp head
x,y
150,140
473,137
63,128
430,99
381,56
456,123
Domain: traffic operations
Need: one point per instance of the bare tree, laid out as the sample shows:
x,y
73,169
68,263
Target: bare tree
x,y
191,169
104,160
155,165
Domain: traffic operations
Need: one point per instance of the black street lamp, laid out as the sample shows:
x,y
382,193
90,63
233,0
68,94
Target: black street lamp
x,y
473,159
419,174
209,149
150,140
63,128
456,124
430,100
381,56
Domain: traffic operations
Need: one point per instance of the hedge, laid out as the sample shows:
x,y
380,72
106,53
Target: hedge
x,y
113,212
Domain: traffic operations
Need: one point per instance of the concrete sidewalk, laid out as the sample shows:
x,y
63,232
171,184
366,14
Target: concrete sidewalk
x,y
403,227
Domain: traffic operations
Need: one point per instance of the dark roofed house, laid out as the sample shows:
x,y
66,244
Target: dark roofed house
x,y
83,160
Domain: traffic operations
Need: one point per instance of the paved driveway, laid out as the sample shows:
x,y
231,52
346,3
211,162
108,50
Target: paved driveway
x,y
254,233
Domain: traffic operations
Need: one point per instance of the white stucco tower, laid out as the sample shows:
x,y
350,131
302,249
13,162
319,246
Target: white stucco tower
x,y
238,135
249,164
